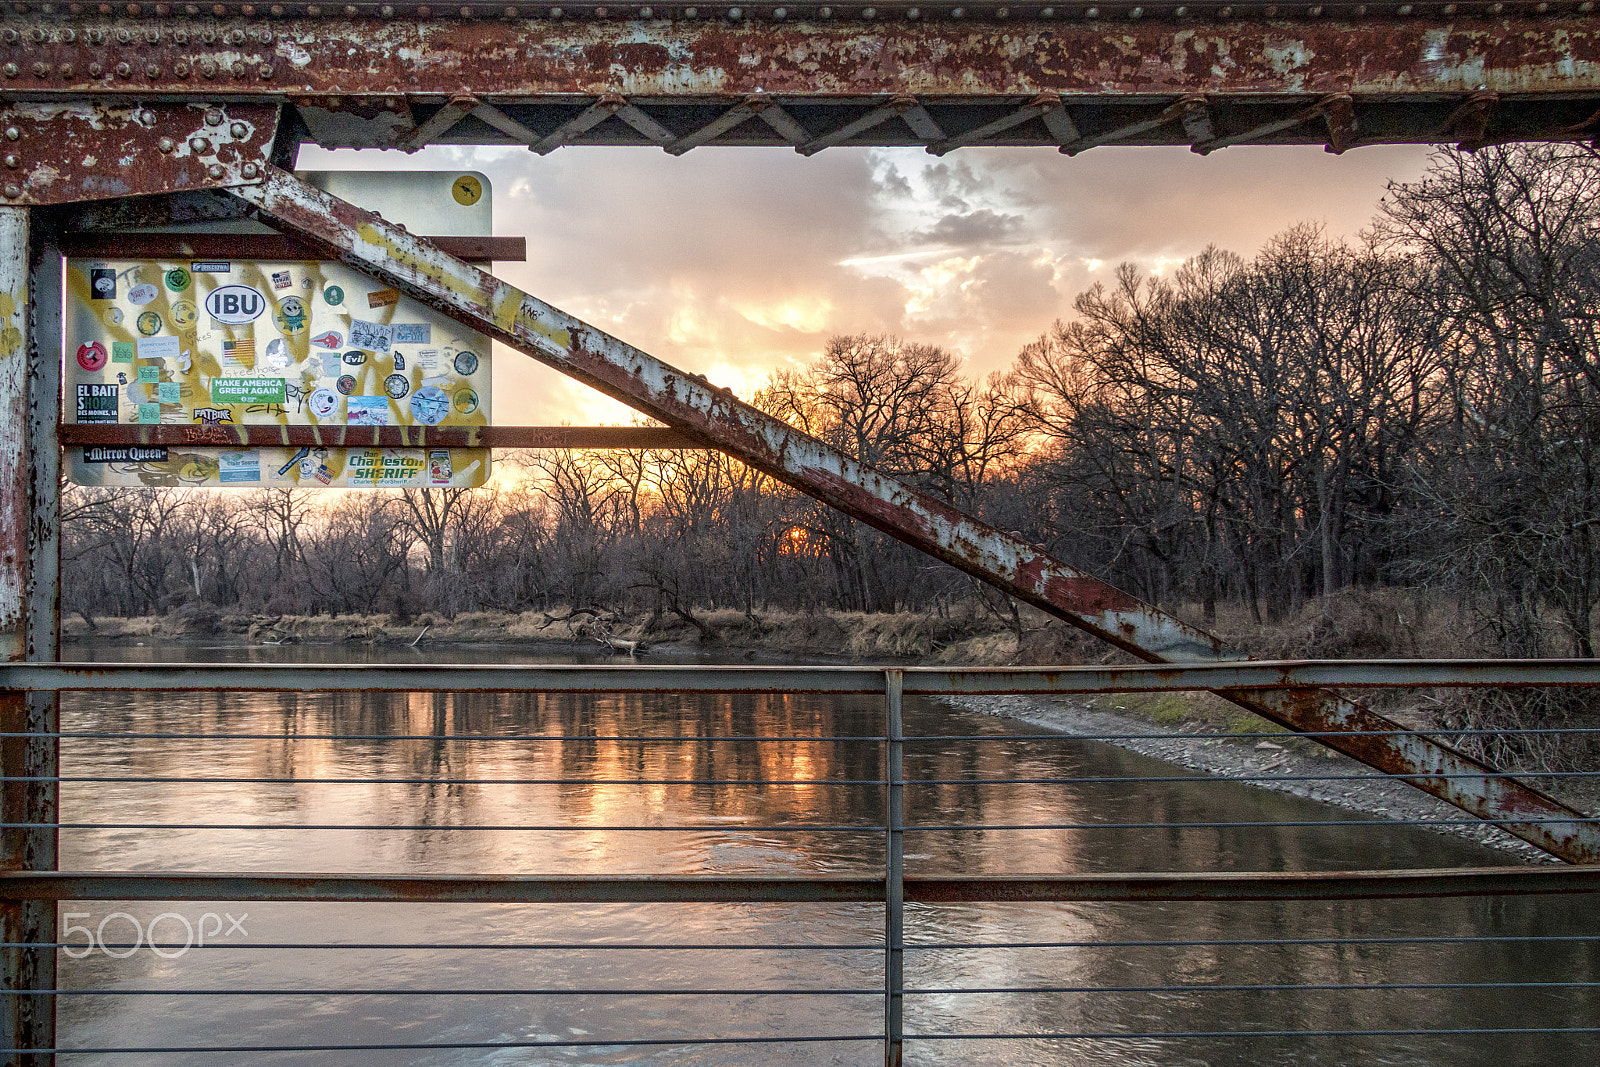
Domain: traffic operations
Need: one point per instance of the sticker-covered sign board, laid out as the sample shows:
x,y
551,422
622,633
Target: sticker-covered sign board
x,y
230,343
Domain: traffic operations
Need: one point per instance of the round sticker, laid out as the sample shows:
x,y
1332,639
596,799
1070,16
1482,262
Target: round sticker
x,y
466,363
323,402
333,295
113,316
149,323
466,401
235,305
92,356
346,384
291,316
144,293
429,405
467,190
397,386
277,356
177,279
183,313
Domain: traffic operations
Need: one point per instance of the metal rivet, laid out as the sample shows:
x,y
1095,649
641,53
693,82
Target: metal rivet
x,y
152,36
11,70
265,73
69,35
214,171
958,12
181,69
1136,13
13,134
249,170
191,9
41,70
388,12
239,70
36,35
64,72
277,11
95,70
1403,9
218,10
208,69
123,70
424,11
13,191
248,11
1002,12
198,144
869,12
96,36
350,10
314,11
266,37
166,144
234,37
913,13
1092,13
214,116
124,35
645,12
555,12
239,130
163,10
135,10
13,162
180,36
10,36
1047,13
466,12
600,12
146,118
152,72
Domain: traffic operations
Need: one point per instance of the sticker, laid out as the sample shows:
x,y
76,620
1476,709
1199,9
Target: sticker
x,y
396,386
389,466
383,298
211,266
184,313
328,340
355,359
97,403
177,279
278,356
367,411
291,316
247,391
212,416
467,190
103,283
239,466
296,458
346,384
413,333
399,361
439,466
149,413
143,293
113,316
149,323
372,336
235,305
331,364
333,295
124,454
429,405
168,393
316,466
281,280
92,356
323,402
466,363
465,402
428,360
158,348
149,374
240,349
122,351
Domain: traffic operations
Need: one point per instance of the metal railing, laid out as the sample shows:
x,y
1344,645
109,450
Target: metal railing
x,y
881,882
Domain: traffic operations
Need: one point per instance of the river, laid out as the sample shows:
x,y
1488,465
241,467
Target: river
x,y
1109,969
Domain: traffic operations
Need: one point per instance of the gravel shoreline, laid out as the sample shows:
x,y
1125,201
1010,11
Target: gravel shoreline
x,y
1282,765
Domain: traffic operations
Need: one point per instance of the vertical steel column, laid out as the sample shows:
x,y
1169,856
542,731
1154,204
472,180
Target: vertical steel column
x,y
894,922
30,404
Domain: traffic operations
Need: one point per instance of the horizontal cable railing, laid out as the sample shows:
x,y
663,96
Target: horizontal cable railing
x,y
939,967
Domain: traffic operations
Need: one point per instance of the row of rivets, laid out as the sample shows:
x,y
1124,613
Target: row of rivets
x,y
208,70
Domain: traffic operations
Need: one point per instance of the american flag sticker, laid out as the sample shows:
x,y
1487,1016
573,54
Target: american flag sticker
x,y
241,349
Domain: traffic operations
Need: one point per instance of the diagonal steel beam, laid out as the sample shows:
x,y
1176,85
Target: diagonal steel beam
x,y
717,418
1178,109
896,107
1039,105
440,123
1322,107
579,124
739,114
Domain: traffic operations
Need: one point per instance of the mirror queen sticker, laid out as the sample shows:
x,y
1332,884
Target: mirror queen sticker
x,y
211,346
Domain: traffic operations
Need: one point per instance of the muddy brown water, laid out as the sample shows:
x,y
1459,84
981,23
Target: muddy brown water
x,y
1131,969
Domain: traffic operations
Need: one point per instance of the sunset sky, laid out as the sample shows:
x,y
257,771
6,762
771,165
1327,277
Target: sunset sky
x,y
734,261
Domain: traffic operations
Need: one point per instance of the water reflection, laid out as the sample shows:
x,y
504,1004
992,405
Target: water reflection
x,y
446,767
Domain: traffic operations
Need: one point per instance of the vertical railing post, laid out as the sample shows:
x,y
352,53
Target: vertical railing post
x,y
30,511
894,928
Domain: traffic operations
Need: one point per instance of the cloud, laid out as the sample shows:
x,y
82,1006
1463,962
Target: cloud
x,y
731,262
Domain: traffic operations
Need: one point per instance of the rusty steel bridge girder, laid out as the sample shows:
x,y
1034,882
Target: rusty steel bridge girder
x,y
940,75
715,417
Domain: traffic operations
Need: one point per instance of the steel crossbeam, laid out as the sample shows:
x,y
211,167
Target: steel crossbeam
x,y
716,418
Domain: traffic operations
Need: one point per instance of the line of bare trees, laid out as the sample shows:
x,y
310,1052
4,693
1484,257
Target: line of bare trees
x,y
1418,406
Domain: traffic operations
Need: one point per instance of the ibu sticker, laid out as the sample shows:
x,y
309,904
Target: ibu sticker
x,y
367,411
143,293
97,403
92,355
429,405
235,305
323,402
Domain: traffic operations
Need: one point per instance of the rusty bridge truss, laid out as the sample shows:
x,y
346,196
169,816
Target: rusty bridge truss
x,y
115,116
